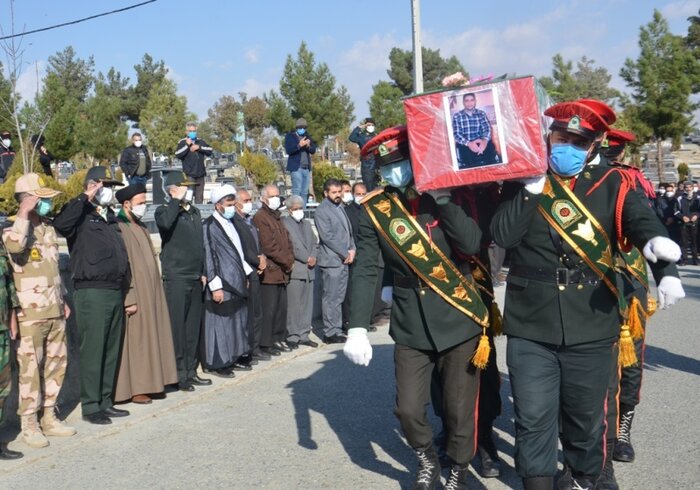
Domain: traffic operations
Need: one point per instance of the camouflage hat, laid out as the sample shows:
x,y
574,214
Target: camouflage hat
x,y
178,178
101,174
34,184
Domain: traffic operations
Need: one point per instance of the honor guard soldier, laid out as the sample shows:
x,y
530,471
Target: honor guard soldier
x,y
563,308
437,312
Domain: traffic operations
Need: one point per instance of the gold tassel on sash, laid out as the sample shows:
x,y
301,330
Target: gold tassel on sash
x,y
627,356
496,320
481,355
636,313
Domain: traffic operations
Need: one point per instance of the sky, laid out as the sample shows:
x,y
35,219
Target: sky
x,y
222,47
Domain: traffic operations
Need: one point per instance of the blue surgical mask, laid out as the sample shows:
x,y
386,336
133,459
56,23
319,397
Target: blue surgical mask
x,y
566,159
192,135
44,206
397,174
301,131
229,212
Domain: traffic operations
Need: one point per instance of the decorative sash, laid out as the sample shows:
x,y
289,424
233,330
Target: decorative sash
x,y
406,236
581,230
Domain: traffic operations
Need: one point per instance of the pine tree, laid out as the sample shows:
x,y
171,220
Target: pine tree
x,y
164,117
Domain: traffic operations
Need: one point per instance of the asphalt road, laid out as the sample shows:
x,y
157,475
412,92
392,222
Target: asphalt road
x,y
312,420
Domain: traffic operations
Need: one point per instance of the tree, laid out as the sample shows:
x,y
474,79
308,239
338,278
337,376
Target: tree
x,y
435,68
692,41
260,168
223,117
6,108
164,117
114,85
385,105
100,131
661,80
587,82
256,117
148,75
309,91
322,172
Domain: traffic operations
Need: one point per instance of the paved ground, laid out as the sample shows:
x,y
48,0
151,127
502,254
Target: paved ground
x,y
312,420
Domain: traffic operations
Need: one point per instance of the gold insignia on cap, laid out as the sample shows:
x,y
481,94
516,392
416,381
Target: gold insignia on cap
x,y
574,123
41,181
382,150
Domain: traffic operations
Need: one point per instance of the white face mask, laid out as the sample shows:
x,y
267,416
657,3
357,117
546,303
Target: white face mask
x,y
7,142
347,197
104,196
358,199
670,194
370,129
139,211
247,208
188,195
298,214
274,203
138,143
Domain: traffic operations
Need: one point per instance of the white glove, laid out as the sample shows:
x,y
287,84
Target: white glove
x,y
662,248
534,185
670,291
387,295
441,196
357,347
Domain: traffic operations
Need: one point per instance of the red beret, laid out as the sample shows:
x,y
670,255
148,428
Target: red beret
x,y
601,108
617,137
576,118
389,146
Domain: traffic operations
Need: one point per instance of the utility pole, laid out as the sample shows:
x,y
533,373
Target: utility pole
x,y
417,48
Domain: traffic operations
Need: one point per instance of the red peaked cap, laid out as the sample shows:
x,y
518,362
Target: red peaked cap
x,y
617,137
603,109
389,146
577,118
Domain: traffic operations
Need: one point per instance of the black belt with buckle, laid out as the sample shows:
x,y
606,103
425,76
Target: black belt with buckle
x,y
560,276
408,282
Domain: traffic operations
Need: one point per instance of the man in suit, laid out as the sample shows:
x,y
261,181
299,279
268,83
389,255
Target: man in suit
x,y
300,288
563,305
437,313
336,253
243,222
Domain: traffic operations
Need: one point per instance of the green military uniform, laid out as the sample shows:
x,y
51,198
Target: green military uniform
x,y
566,318
8,302
182,264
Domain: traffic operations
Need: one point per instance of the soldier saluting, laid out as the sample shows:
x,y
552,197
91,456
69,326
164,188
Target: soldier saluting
x,y
437,312
563,309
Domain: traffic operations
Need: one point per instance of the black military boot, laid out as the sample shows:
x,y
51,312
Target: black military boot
x,y
566,480
538,483
457,479
429,469
606,480
623,446
490,467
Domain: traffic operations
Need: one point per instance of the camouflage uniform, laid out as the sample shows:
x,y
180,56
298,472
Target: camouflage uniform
x,y
42,351
8,300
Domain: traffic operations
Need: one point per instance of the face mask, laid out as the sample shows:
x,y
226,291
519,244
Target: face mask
x,y
274,203
229,212
397,174
139,211
298,215
695,189
43,207
566,159
347,197
104,196
138,144
247,208
358,199
6,142
670,194
301,131
188,195
370,129
192,135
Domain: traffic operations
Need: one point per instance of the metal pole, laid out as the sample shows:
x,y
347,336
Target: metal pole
x,y
417,48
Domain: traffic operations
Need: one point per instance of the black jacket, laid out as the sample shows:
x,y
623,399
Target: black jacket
x,y
193,161
251,248
129,160
98,256
45,159
7,156
182,243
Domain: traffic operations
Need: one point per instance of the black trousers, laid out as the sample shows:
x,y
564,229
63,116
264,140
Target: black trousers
x,y
184,298
274,313
624,388
689,240
552,383
460,386
469,159
370,178
255,315
198,190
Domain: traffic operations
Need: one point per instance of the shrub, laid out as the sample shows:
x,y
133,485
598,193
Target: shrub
x,y
323,171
